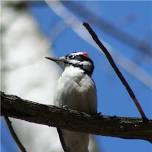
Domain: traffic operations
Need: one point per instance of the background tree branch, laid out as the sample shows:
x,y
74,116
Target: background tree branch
x,y
123,127
115,68
14,135
109,28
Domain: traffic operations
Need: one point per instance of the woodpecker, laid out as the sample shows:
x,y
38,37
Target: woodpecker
x,y
75,90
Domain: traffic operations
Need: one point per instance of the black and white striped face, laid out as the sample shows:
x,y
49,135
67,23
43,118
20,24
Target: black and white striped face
x,y
77,59
81,60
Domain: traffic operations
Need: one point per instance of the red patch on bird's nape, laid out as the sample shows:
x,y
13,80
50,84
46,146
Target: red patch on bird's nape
x,y
85,54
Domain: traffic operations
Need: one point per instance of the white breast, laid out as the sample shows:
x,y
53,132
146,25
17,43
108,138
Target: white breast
x,y
76,90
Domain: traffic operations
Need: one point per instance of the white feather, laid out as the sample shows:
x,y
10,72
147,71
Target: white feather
x,y
76,90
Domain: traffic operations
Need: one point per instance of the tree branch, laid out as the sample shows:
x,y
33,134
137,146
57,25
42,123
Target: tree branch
x,y
14,135
115,68
108,27
123,127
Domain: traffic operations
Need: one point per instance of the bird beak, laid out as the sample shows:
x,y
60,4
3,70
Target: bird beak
x,y
60,60
53,59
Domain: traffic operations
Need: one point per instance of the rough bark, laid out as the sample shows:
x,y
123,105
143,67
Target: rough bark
x,y
123,127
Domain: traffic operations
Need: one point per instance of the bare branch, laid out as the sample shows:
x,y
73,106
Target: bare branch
x,y
115,68
19,144
74,22
123,127
109,28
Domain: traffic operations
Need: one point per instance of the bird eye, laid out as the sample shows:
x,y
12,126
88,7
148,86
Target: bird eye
x,y
71,56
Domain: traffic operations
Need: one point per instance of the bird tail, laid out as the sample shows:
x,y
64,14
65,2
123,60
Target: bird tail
x,y
62,140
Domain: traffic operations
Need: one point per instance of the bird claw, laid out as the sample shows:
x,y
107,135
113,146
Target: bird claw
x,y
97,114
65,107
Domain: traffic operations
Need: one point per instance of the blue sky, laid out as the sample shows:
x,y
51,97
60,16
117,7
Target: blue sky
x,y
112,97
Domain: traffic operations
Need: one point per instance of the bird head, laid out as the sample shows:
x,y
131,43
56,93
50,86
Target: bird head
x,y
76,59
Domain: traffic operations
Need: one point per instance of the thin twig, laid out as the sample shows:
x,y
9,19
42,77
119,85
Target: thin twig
x,y
74,22
117,71
108,27
19,144
122,127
